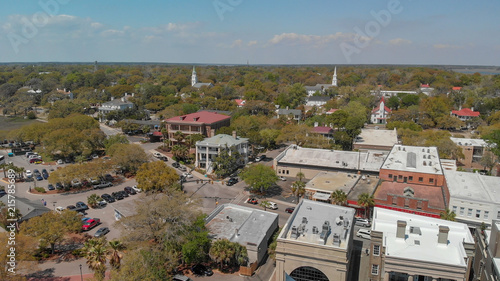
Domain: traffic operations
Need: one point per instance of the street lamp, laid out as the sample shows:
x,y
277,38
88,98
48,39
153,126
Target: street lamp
x,y
81,275
54,205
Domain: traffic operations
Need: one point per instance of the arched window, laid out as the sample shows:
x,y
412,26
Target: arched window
x,y
307,273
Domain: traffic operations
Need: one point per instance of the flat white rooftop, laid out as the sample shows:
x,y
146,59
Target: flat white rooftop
x,y
473,186
421,242
417,159
469,142
239,224
337,159
374,137
331,181
310,218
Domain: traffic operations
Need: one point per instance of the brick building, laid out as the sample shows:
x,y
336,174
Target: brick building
x,y
203,122
412,181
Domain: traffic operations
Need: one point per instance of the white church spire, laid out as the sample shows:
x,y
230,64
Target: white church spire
x,y
194,79
334,80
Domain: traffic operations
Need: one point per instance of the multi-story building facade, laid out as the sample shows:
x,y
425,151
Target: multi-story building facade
x,y
316,243
412,181
473,150
487,257
203,122
208,149
411,247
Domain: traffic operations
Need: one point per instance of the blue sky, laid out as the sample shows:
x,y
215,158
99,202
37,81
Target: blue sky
x,y
261,32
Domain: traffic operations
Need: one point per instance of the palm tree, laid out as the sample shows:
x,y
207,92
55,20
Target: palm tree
x,y
180,151
179,136
222,252
164,132
300,176
265,204
339,197
448,215
114,254
298,189
366,201
93,200
95,253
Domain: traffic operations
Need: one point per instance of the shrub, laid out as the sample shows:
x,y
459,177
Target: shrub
x,y
40,189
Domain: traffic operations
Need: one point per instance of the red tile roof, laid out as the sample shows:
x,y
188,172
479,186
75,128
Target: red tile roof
x,y
432,193
198,117
331,110
378,107
456,88
322,129
240,102
424,86
158,134
465,112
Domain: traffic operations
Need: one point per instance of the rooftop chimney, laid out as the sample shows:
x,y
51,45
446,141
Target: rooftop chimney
x,y
212,132
234,134
443,234
400,233
112,98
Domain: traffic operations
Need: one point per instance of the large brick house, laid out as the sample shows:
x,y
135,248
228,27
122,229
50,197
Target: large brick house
x,y
412,181
203,122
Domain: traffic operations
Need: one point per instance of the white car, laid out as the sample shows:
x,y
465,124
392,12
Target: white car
x,y
28,173
364,233
187,175
102,203
59,209
157,155
282,178
60,162
273,206
136,189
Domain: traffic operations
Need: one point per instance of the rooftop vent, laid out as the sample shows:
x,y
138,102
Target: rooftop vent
x,y
428,150
304,220
295,233
336,239
315,230
417,242
325,230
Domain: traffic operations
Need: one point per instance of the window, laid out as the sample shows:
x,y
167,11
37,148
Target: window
x,y
469,212
394,200
374,269
478,213
431,180
376,250
287,172
410,178
400,177
462,210
498,215
454,209
486,214
419,205
390,176
420,179
407,202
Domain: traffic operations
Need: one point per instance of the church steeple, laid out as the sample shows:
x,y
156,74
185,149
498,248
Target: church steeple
x,y
194,79
334,79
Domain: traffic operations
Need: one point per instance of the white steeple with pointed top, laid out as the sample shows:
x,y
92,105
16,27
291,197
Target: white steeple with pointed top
x,y
194,79
334,80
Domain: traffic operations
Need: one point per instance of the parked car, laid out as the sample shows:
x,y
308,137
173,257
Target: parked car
x,y
181,278
88,225
129,190
59,186
101,232
80,206
157,154
85,219
364,233
138,190
76,183
201,270
71,207
282,178
50,187
232,181
28,174
60,162
260,158
252,201
123,193
102,203
117,195
45,174
290,210
176,165
103,185
183,168
109,177
59,209
272,205
2,193
108,198
187,175
362,222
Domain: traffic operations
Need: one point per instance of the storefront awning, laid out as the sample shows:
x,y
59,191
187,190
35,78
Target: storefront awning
x,y
321,196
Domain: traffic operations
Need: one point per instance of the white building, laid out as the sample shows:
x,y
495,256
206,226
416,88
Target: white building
x,y
316,243
116,104
381,113
474,198
321,88
317,100
412,247
195,83
389,94
487,258
208,149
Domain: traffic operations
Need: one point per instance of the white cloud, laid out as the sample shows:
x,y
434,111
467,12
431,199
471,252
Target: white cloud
x,y
399,41
252,43
447,46
317,40
237,43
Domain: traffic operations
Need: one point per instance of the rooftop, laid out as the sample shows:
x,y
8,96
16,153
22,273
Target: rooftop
x,y
416,159
374,137
198,118
434,194
322,129
421,238
283,111
222,140
319,223
473,186
125,208
465,112
335,159
469,142
239,224
331,181
319,98
28,208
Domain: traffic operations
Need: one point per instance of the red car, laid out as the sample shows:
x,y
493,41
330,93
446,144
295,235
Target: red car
x,y
252,201
290,210
89,224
